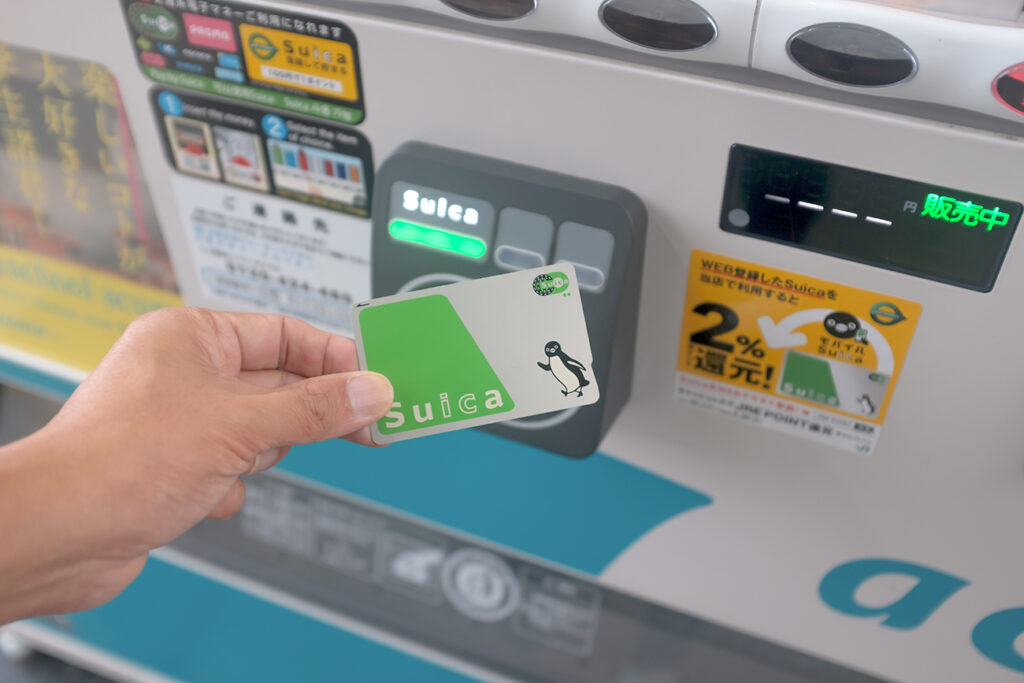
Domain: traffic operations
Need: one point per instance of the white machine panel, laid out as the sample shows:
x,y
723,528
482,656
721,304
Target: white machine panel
x,y
792,523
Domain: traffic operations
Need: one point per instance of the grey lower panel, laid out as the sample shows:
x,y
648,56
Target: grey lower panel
x,y
514,617
40,668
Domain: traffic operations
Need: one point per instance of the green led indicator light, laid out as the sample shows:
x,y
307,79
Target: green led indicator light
x,y
951,210
437,238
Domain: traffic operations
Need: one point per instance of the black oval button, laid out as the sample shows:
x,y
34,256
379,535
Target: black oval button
x,y
660,24
852,54
493,9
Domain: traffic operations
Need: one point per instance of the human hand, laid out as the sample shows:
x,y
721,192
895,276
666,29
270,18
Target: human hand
x,y
158,437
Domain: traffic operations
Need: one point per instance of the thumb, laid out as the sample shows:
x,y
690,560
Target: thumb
x,y
319,408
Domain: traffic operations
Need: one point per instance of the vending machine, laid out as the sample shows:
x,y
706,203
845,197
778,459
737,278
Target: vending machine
x,y
792,225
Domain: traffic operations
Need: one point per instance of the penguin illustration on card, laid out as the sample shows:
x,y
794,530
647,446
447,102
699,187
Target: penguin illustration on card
x,y
568,371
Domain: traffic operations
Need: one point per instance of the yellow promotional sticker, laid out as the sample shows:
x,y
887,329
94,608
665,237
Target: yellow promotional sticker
x,y
792,353
309,63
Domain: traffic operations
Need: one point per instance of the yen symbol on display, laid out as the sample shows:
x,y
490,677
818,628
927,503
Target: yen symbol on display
x,y
885,313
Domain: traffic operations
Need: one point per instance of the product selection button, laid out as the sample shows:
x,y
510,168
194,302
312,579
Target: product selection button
x,y
852,54
1009,88
660,24
493,9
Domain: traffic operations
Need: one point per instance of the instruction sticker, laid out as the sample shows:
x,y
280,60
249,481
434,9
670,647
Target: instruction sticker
x,y
477,352
257,252
309,161
257,55
791,353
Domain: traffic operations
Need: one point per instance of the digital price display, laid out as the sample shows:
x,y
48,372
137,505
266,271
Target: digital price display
x,y
956,237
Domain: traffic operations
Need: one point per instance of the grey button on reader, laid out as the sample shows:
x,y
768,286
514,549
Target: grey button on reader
x,y
524,239
589,249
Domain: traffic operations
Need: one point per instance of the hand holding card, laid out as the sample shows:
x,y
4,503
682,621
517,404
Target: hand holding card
x,y
477,352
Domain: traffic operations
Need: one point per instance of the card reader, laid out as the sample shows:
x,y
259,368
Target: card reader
x,y
442,216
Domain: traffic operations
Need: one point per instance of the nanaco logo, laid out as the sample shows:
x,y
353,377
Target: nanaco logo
x,y
155,22
262,47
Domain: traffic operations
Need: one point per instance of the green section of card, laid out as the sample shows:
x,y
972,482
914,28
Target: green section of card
x,y
809,378
439,373
247,93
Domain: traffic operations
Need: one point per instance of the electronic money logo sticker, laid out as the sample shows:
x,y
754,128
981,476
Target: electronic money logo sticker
x,y
547,284
155,22
886,313
262,47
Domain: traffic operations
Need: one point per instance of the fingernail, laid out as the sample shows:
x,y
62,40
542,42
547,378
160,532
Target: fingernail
x,y
369,394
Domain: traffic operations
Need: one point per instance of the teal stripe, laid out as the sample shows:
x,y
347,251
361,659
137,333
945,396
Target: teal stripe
x,y
35,381
189,627
579,513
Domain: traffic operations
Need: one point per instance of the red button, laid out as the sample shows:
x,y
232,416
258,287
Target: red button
x,y
1009,88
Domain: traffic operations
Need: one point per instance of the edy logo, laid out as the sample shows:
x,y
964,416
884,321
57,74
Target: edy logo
x,y
262,46
551,283
155,22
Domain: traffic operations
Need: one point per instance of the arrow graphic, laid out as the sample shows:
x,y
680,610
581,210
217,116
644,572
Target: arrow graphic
x,y
783,335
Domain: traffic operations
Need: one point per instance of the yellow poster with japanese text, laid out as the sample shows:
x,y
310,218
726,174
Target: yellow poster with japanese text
x,y
81,251
792,353
309,63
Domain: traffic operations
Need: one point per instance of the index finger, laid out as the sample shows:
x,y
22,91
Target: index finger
x,y
268,342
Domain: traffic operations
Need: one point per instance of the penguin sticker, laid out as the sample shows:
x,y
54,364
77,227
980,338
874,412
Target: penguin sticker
x,y
866,406
568,371
845,326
